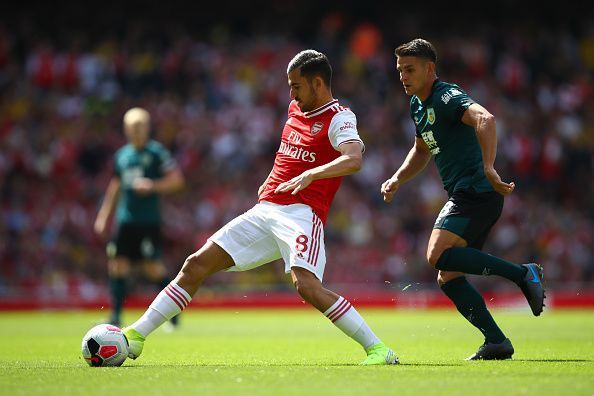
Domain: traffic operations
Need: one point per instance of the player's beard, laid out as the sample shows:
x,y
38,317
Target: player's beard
x,y
310,104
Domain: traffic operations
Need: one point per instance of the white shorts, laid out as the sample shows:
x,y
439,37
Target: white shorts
x,y
268,232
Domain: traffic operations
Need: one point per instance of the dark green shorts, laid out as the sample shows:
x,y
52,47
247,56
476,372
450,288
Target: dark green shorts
x,y
137,242
471,215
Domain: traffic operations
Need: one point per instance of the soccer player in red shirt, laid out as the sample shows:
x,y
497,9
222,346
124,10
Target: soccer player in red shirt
x,y
319,145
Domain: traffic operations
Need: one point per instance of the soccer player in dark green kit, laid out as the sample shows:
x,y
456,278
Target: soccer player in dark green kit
x,y
144,169
461,135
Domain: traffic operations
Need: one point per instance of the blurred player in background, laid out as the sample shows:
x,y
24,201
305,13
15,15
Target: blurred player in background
x,y
319,144
144,169
461,135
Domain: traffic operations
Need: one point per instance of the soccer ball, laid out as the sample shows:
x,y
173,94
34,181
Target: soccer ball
x,y
105,345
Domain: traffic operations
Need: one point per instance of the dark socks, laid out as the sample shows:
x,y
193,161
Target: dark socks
x,y
118,294
471,305
473,261
163,284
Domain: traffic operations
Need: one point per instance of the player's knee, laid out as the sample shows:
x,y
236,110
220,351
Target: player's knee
x,y
118,268
155,271
434,255
195,269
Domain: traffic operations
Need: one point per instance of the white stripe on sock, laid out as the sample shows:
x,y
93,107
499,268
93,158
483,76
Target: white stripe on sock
x,y
181,293
334,306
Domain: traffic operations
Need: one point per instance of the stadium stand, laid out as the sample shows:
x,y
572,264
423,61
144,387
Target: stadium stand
x,y
218,94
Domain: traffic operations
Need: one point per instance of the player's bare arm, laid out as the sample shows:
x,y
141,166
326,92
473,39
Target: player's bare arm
x,y
483,122
108,205
172,181
417,159
348,163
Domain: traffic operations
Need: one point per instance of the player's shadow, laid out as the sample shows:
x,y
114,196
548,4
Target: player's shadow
x,y
305,364
253,365
431,364
220,365
554,360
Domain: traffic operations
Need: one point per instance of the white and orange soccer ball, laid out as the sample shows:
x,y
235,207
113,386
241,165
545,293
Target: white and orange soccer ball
x,y
105,345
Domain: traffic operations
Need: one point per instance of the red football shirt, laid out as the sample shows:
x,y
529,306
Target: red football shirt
x,y
309,140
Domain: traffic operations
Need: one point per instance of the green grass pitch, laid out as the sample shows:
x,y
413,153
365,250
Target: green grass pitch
x,y
299,352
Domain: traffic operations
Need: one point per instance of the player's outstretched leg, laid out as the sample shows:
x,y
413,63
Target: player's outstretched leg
x,y
344,316
174,322
177,295
169,303
531,285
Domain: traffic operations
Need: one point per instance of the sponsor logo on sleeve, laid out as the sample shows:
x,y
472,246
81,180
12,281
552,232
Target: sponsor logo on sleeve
x,y
347,125
445,98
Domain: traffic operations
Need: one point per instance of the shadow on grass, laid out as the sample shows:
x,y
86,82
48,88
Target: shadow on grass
x,y
426,364
259,365
554,360
264,364
244,365
432,364
172,365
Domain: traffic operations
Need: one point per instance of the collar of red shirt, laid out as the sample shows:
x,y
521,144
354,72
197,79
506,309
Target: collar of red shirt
x,y
321,109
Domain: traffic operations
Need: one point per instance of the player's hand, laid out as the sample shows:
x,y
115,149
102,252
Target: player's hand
x,y
389,188
143,185
296,184
261,189
498,185
100,226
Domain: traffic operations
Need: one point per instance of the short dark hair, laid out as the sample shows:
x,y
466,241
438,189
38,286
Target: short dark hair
x,y
419,48
312,63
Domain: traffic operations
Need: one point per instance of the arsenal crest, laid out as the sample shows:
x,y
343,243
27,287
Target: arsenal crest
x,y
316,127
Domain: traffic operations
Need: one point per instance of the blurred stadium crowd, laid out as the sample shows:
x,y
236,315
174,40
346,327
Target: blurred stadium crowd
x,y
218,100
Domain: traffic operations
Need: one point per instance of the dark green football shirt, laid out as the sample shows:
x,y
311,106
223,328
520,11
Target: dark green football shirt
x,y
152,161
454,145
